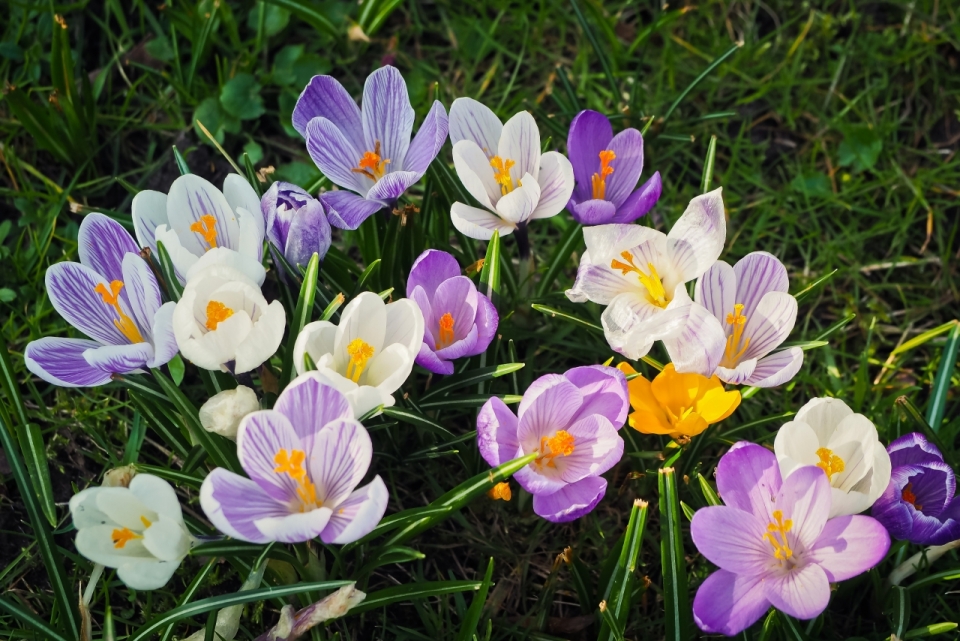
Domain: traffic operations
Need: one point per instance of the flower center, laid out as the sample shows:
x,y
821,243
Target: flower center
x,y
560,444
500,491
291,464
123,322
359,352
371,164
207,228
445,338
217,312
501,173
734,352
910,497
829,462
122,536
781,549
600,179
656,294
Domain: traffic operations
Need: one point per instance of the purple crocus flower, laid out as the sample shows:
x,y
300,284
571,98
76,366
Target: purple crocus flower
x,y
113,297
571,420
304,459
458,320
606,168
774,543
368,152
919,503
296,222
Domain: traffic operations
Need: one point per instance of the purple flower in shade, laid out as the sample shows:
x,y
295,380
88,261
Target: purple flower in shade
x,y
304,459
296,222
458,320
113,297
919,503
572,422
774,543
606,168
368,152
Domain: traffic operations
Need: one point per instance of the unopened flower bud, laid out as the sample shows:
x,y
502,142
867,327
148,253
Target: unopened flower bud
x,y
222,413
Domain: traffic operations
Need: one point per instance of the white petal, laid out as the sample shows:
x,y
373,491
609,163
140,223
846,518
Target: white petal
x,y
717,289
166,540
192,197
240,195
738,375
520,142
364,318
795,445
823,415
606,242
776,369
158,495
404,325
147,574
263,339
222,412
251,238
475,172
556,184
316,338
388,370
181,257
695,242
478,223
599,283
517,206
699,346
149,210
247,264
474,121
770,324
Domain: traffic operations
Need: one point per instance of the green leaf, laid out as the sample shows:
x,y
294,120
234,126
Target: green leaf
x,y
177,369
472,377
240,97
170,280
920,339
561,255
389,556
301,316
467,400
553,312
860,148
937,404
33,623
312,17
409,592
470,621
275,19
7,295
676,596
706,72
283,70
35,456
415,418
814,183
792,628
365,276
707,179
709,494
901,610
620,587
809,289
399,519
490,274
930,630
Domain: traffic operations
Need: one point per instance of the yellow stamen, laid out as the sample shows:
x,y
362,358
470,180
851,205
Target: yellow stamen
x,y
781,548
500,491
600,179
656,293
124,323
291,464
501,173
445,338
371,164
560,444
360,352
121,537
217,312
910,497
829,462
734,351
207,228
146,522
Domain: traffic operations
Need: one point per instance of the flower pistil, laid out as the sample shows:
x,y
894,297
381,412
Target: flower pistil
x,y
734,352
501,173
910,497
781,548
207,228
359,352
560,444
291,464
372,164
656,293
445,337
600,178
217,312
124,323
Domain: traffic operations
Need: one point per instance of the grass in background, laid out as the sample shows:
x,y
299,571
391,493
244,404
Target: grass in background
x,y
837,128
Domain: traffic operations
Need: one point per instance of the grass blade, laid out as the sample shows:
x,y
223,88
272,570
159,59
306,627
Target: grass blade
x,y
601,53
676,596
696,81
472,377
415,418
301,316
490,274
707,178
901,610
171,282
809,289
621,582
470,622
560,257
552,311
411,591
30,620
709,494
937,405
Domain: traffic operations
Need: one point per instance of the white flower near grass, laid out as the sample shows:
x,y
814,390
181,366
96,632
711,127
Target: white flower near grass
x,y
222,412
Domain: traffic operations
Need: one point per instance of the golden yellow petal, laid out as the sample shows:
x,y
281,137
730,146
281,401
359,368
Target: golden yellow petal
x,y
676,391
718,404
650,423
691,425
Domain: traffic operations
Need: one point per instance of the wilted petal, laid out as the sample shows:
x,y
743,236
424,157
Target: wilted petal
x,y
387,114
478,223
696,240
60,361
571,501
556,184
356,516
335,155
325,97
429,139
474,121
346,210
102,244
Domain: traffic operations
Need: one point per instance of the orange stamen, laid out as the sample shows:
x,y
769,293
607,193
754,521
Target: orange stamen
x,y
656,293
446,337
500,491
121,537
600,178
560,444
217,312
501,173
372,164
291,464
910,497
207,228
123,322
734,351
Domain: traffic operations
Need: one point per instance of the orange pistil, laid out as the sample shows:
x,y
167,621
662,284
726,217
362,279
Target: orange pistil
x,y
734,352
656,293
207,228
501,173
372,164
217,312
291,464
445,337
910,497
600,179
123,322
560,444
121,537
500,491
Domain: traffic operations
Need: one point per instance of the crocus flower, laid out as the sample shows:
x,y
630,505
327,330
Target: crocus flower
x,y
199,225
223,322
296,222
571,420
113,297
370,354
137,529
640,274
606,168
222,412
368,152
501,166
826,433
680,405
459,321
303,458
919,504
775,543
756,314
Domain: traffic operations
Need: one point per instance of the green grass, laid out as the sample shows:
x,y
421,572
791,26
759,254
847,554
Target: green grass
x,y
837,128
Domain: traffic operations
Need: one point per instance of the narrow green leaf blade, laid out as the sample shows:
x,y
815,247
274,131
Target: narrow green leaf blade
x,y
676,595
411,591
490,274
561,255
471,378
301,316
621,582
469,626
941,383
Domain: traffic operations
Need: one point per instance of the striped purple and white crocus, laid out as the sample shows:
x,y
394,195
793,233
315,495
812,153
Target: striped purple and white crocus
x,y
571,421
367,152
304,459
113,297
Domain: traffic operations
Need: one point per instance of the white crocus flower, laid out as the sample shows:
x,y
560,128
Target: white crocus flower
x,y
222,321
502,167
199,225
137,529
826,433
370,354
640,274
222,412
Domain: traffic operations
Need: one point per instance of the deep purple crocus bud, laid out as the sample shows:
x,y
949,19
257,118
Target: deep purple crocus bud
x,y
458,320
606,169
296,222
919,503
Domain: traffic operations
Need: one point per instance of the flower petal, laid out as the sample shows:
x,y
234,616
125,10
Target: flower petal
x,y
166,540
364,318
771,323
497,432
597,447
592,212
346,210
387,114
729,603
261,438
310,402
776,369
430,269
804,499
119,359
143,292
102,244
556,184
478,223
912,449
429,139
147,574
263,339
356,516
149,211
191,197
716,290
696,240
739,374
590,133
428,359
247,264
641,201
309,234
339,459
487,321
474,121
548,405
848,546
60,361
458,297
571,501
520,142
240,195
748,478
72,291
803,592
316,338
296,527
325,97
96,544
732,539
627,166
335,155
604,391
599,283
388,370
700,345
758,273
823,415
392,185
233,502
476,173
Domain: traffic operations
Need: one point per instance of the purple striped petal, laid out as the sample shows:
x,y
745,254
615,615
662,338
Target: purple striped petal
x,y
548,405
143,292
604,391
627,166
802,593
387,114
72,290
934,487
716,290
497,432
848,546
334,154
149,211
260,439
912,449
776,369
804,498
102,244
739,374
431,268
60,361
700,345
296,527
119,359
696,240
429,139
233,503
428,359
392,186
324,97
520,142
771,323
597,448
339,459
641,201
758,273
748,478
310,403
309,233
571,501
474,121
729,603
590,133
356,517
346,210
592,212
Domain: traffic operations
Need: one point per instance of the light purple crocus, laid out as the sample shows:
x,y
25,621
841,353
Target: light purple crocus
x,y
304,459
774,543
368,152
571,421
458,320
296,223
606,168
756,315
919,505
113,297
